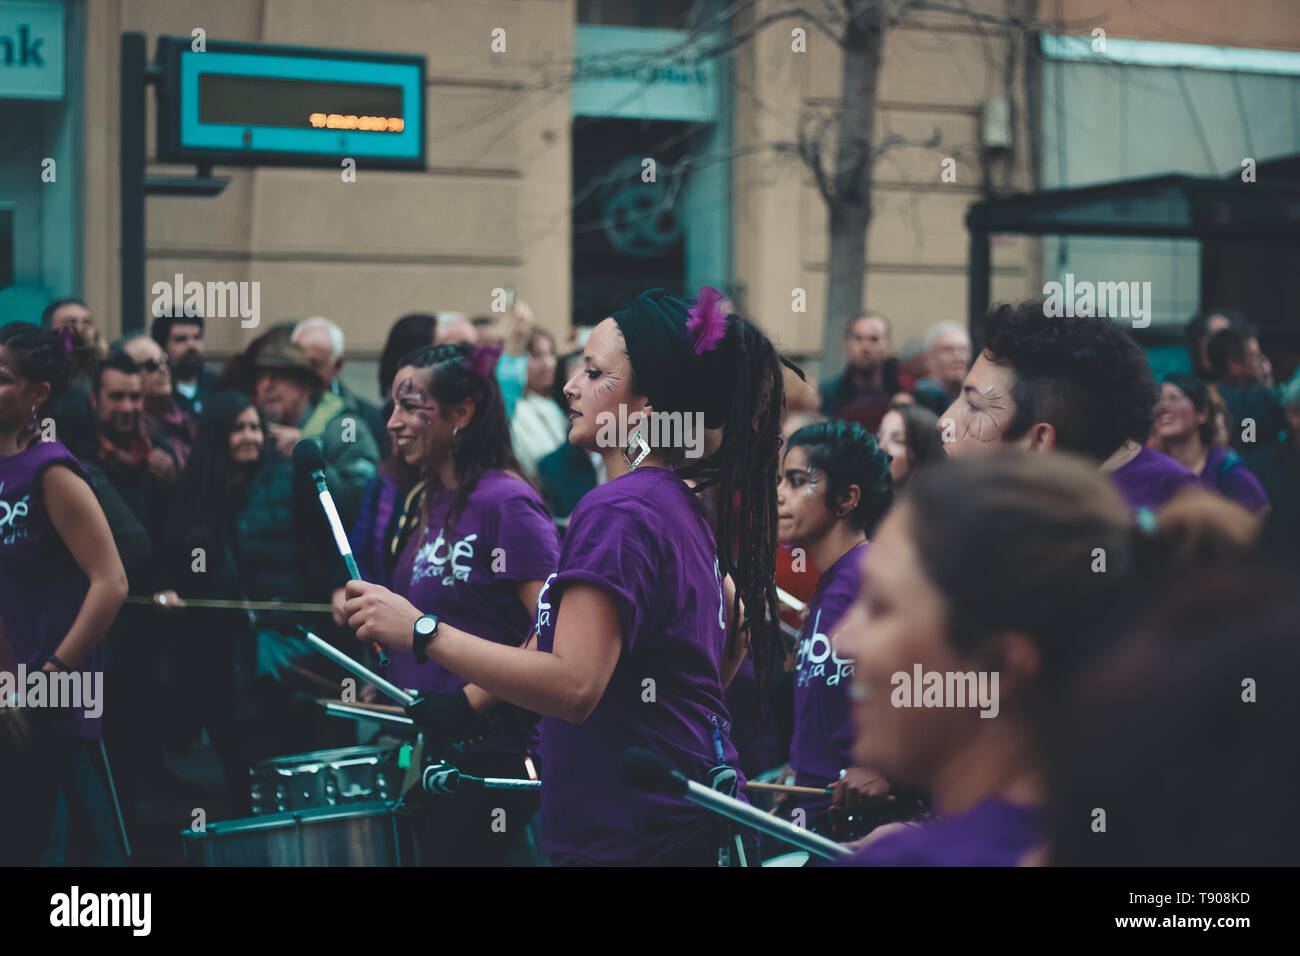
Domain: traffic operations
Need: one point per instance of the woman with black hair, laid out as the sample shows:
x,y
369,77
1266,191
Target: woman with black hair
x,y
835,486
1184,430
239,532
635,619
470,542
61,583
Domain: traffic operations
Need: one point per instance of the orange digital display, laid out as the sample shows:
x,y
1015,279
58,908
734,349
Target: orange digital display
x,y
382,124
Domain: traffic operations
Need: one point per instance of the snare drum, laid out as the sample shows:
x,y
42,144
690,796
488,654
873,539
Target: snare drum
x,y
798,858
365,834
324,778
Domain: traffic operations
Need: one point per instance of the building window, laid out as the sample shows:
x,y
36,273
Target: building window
x,y
672,14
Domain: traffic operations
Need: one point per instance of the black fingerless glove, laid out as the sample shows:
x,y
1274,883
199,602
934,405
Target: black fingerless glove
x,y
445,718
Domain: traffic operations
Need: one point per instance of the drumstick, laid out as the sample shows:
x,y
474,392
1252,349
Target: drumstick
x,y
313,677
789,600
783,788
362,705
221,603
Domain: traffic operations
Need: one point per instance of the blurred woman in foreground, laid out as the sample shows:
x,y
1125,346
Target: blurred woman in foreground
x,y
983,590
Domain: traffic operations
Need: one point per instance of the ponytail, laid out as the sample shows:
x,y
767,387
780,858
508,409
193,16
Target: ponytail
x,y
40,354
1196,531
744,470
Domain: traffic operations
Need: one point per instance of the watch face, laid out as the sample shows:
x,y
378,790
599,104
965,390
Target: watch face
x,y
425,625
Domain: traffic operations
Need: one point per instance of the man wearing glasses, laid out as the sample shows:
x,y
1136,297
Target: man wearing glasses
x,y
162,413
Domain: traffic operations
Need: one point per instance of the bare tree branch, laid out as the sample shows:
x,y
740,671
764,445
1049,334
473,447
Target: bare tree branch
x,y
896,140
810,150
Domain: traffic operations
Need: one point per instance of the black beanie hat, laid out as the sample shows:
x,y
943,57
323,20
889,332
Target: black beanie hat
x,y
672,373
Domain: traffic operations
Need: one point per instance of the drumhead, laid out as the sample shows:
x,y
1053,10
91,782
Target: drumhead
x,y
797,858
340,757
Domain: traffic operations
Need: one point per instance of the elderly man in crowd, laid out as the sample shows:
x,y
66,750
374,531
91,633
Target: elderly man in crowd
x,y
947,356
322,341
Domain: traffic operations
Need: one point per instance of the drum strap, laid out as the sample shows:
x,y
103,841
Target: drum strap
x,y
726,780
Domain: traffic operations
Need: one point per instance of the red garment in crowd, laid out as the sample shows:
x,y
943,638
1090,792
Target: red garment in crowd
x,y
802,584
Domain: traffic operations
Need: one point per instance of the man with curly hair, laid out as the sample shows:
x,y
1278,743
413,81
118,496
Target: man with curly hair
x,y
1067,383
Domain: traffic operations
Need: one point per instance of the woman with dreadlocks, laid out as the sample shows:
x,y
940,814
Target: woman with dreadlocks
x,y
635,618
469,542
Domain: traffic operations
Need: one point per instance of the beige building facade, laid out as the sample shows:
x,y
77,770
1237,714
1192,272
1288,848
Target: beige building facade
x,y
958,117
493,207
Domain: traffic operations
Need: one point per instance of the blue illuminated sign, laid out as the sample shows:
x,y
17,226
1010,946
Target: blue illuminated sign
x,y
243,104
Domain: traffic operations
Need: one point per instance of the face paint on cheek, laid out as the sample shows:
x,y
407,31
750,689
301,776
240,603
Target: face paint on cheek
x,y
983,424
813,486
607,383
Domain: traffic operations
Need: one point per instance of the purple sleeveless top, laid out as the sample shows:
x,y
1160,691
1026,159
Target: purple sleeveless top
x,y
41,586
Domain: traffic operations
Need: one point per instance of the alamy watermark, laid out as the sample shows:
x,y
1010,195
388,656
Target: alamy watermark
x,y
1114,300
74,908
658,429
212,300
947,689
65,690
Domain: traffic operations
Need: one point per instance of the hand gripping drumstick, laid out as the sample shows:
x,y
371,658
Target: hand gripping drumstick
x,y
308,457
649,771
356,668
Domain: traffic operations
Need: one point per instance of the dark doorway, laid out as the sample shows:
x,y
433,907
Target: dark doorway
x,y
627,233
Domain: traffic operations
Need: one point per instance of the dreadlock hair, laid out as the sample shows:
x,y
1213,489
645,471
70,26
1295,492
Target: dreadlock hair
x,y
485,442
849,455
40,355
743,467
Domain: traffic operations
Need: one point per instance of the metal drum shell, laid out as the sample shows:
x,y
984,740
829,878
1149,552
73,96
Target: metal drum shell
x,y
362,834
344,776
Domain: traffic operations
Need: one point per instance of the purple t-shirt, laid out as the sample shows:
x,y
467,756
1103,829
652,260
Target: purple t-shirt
x,y
823,720
469,575
41,586
1151,479
642,539
1238,483
991,833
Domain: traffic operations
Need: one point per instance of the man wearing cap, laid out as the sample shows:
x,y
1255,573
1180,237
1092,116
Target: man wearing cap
x,y
292,396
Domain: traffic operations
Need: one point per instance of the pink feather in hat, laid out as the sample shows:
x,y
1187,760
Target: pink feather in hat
x,y
706,325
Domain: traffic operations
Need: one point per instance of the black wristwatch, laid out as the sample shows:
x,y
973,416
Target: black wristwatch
x,y
425,630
